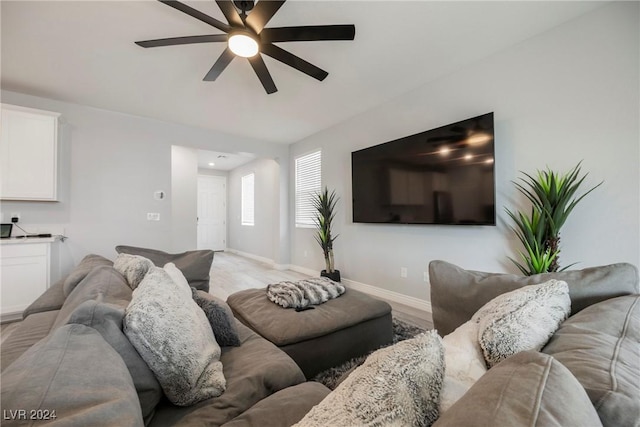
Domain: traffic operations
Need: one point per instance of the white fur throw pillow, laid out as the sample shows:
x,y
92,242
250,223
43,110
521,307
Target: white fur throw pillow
x,y
396,386
464,363
133,268
521,320
178,278
173,336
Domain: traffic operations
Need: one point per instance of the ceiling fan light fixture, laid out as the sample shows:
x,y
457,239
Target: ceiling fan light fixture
x,y
243,44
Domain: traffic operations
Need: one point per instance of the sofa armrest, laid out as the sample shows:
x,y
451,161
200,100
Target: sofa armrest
x,y
51,299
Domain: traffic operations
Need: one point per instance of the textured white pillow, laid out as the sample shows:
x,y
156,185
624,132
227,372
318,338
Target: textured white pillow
x,y
133,268
464,363
178,278
521,320
173,336
396,386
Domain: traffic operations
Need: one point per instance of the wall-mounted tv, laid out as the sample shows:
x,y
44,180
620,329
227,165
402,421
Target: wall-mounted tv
x,y
441,176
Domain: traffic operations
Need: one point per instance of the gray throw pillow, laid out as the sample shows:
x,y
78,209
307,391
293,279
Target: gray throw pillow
x,y
107,320
195,265
72,378
521,320
220,317
396,386
456,293
103,284
173,336
132,267
528,389
78,274
601,347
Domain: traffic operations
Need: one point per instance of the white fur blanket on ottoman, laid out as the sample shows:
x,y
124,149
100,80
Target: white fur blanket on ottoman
x,y
303,293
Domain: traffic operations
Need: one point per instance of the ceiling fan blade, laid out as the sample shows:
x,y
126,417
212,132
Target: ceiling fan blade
x,y
220,65
262,13
184,40
308,33
197,14
263,74
293,61
229,11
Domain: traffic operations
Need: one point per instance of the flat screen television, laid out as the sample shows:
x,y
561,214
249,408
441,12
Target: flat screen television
x,y
441,176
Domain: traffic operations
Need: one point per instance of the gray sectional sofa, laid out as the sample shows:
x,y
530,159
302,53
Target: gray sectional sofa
x,y
588,374
69,359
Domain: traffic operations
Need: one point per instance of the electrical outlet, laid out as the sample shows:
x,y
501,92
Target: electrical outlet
x,y
15,217
305,254
152,216
403,272
426,276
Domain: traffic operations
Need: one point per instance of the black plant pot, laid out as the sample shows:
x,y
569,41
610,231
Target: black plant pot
x,y
335,276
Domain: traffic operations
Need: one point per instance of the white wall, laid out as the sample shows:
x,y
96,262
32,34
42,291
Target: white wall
x,y
110,166
262,239
184,198
567,95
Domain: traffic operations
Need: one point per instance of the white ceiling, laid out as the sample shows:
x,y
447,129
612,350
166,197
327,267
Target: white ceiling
x,y
222,161
83,52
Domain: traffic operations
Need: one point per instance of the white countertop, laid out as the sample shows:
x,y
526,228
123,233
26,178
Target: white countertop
x,y
27,240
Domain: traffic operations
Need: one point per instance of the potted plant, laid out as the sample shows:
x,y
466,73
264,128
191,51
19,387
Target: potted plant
x,y
325,205
553,198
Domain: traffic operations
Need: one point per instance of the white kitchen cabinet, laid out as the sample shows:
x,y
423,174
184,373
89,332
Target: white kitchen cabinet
x,y
25,273
28,154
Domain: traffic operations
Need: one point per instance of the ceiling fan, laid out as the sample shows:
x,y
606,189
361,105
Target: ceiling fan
x,y
246,36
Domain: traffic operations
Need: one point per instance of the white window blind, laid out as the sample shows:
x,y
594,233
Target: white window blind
x,y
247,199
308,183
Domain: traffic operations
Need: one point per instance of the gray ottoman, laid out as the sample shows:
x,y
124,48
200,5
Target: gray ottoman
x,y
330,334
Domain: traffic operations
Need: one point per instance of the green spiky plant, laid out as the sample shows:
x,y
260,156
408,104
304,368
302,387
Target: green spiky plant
x,y
553,198
325,205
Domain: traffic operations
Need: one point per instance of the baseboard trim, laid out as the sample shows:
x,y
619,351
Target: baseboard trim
x,y
303,270
385,294
271,263
252,256
413,302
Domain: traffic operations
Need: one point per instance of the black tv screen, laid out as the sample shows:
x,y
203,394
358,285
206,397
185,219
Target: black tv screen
x,y
441,176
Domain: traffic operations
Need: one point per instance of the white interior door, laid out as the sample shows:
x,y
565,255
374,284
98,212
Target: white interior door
x,y
212,212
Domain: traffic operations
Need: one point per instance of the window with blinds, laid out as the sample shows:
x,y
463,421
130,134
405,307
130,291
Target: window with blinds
x,y
308,183
247,211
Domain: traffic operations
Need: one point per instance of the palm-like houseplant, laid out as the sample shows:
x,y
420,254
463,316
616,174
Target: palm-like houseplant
x,y
325,204
553,198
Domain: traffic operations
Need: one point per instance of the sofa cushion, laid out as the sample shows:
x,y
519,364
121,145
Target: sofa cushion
x,y
103,284
254,370
195,265
283,408
398,385
51,299
107,320
132,267
601,347
528,389
174,338
75,374
220,317
521,320
85,266
456,294
25,335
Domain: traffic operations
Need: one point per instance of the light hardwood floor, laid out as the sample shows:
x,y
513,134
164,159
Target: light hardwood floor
x,y
232,273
